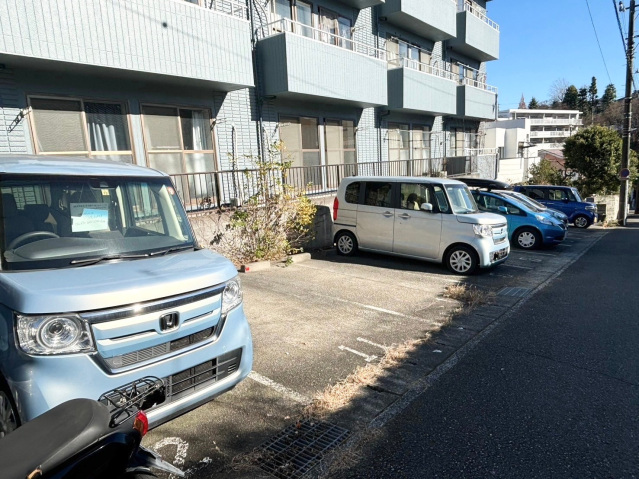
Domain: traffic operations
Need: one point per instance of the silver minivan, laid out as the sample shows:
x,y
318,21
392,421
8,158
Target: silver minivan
x,y
433,219
102,283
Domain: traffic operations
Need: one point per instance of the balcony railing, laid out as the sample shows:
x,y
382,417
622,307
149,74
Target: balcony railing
x,y
216,189
318,34
473,8
236,8
398,61
479,84
547,134
555,121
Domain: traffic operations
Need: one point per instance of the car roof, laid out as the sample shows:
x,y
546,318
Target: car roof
x,y
71,166
486,183
404,179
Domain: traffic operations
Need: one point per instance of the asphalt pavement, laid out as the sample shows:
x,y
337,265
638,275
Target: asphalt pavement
x,y
551,392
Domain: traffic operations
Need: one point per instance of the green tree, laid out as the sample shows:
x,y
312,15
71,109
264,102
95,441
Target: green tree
x,y
595,153
544,173
571,97
592,94
582,100
533,105
609,96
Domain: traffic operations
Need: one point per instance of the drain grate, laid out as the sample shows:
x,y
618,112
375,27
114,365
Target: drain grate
x,y
514,292
299,448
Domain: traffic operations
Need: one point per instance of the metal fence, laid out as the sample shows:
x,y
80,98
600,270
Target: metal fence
x,y
215,189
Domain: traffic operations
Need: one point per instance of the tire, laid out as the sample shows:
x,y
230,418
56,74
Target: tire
x,y
527,238
345,243
9,418
581,222
461,260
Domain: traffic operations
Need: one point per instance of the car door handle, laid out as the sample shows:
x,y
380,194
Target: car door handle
x,y
388,214
405,216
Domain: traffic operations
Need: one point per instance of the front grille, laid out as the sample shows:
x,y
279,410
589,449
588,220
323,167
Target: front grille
x,y
202,375
135,357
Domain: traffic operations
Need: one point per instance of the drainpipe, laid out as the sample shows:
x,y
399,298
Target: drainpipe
x,y
256,80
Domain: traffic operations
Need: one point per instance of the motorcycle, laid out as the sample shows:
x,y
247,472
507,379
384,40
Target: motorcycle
x,y
88,439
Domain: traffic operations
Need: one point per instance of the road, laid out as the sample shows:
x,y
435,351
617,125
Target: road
x,y
317,322
551,392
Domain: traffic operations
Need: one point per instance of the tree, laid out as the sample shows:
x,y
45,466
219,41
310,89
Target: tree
x,y
533,105
558,90
592,94
595,153
609,96
582,100
571,97
543,173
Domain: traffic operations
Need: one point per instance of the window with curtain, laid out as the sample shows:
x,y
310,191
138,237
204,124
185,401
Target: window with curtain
x,y
401,53
421,142
338,29
300,136
289,11
398,142
178,140
73,126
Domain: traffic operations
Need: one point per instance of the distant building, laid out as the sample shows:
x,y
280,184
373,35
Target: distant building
x,y
522,137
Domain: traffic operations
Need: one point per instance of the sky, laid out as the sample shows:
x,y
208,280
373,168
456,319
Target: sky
x,y
542,41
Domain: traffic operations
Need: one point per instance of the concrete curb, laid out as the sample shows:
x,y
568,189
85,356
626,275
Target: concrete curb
x,y
299,258
254,267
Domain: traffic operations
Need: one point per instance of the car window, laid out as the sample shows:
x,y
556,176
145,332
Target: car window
x,y
557,194
440,197
378,194
352,193
535,193
413,195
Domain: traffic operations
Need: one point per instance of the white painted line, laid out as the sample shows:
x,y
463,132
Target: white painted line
x,y
362,340
366,357
506,265
444,300
289,393
535,253
565,245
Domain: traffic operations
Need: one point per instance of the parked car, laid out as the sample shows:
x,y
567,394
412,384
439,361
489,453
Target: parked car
x,y
535,205
102,283
427,218
527,228
565,199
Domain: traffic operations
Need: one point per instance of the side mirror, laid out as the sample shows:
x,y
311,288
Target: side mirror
x,y
426,207
502,209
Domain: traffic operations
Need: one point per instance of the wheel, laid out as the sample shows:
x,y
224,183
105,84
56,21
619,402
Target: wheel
x,y
527,238
581,221
461,260
345,243
9,419
32,234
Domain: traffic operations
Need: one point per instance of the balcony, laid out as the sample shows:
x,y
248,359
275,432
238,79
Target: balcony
x,y
419,88
361,4
133,38
298,61
556,121
476,100
477,35
551,134
432,19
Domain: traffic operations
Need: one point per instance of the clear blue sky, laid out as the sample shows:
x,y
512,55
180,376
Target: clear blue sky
x,y
546,40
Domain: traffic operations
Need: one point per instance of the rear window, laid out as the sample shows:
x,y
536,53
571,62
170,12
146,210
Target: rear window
x,y
352,193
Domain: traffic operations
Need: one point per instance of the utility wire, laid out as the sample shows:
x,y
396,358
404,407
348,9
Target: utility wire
x,y
598,43
623,39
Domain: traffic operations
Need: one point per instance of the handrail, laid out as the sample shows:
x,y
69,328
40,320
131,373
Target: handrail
x,y
422,67
473,9
235,8
480,85
285,25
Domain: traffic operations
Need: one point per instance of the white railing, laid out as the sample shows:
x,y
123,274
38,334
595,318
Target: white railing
x,y
555,121
321,35
235,8
479,84
398,61
547,134
475,10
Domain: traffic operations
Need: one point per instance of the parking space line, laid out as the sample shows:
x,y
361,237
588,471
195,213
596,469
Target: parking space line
x,y
506,265
524,252
411,273
366,357
289,393
363,340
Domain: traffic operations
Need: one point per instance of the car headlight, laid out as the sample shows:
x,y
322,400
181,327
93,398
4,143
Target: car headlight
x,y
232,295
54,334
485,231
544,220
591,208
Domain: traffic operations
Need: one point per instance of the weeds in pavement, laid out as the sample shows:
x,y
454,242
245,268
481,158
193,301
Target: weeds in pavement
x,y
470,296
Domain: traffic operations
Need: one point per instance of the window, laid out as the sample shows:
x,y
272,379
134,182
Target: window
x,y
338,29
300,137
290,12
81,127
421,142
378,194
340,142
398,142
560,195
401,53
178,140
440,197
461,141
413,195
351,195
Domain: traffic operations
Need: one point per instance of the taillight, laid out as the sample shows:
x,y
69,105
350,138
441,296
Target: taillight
x,y
141,423
335,208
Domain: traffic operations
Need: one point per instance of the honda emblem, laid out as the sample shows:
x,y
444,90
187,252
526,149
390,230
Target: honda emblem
x,y
169,321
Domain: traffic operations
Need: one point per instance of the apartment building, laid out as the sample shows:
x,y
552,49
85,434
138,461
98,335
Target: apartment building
x,y
522,137
193,87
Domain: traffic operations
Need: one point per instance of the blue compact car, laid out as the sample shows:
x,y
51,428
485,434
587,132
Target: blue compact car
x,y
565,199
527,228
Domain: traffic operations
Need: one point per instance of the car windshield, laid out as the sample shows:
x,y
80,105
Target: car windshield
x,y
532,204
461,200
55,222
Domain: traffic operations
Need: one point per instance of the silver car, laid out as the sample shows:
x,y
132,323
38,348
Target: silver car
x,y
102,283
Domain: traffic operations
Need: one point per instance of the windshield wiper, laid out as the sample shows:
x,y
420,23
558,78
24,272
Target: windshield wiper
x,y
172,250
99,259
